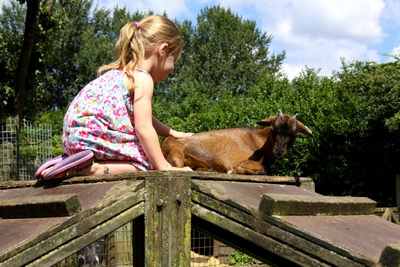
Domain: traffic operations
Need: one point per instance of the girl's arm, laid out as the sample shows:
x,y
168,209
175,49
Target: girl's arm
x,y
165,131
145,130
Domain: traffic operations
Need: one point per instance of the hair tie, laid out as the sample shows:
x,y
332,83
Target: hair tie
x,y
137,24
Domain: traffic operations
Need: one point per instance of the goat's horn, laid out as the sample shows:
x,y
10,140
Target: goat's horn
x,y
295,116
280,113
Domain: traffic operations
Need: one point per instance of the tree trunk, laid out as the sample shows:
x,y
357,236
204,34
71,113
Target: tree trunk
x,y
25,56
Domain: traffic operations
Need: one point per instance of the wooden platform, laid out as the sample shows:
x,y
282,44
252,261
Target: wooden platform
x,y
277,220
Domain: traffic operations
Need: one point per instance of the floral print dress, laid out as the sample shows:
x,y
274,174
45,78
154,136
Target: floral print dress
x,y
101,119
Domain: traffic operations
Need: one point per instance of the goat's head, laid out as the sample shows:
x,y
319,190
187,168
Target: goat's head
x,y
284,129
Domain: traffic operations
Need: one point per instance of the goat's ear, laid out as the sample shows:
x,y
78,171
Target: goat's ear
x,y
304,129
267,121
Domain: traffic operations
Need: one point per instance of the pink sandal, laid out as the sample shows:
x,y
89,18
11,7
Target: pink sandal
x,y
49,163
71,165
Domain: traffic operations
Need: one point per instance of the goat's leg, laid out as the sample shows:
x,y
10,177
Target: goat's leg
x,y
173,152
248,167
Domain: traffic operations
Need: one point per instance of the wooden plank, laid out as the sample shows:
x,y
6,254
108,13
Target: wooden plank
x,y
389,215
119,198
40,206
365,235
274,228
249,194
261,247
304,182
31,232
58,254
167,221
17,184
284,204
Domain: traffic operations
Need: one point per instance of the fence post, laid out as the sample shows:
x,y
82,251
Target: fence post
x,y
167,221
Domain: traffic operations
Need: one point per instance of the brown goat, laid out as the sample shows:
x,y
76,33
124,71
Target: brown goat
x,y
241,150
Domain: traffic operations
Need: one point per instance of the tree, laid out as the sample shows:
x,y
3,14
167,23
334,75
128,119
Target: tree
x,y
11,29
353,152
21,90
22,82
222,53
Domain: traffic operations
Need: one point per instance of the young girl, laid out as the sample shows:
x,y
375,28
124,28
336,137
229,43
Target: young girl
x,y
110,121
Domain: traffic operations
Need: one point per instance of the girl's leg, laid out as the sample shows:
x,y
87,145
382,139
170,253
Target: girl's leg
x,y
102,167
108,167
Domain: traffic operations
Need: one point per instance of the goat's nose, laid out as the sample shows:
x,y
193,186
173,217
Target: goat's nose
x,y
279,154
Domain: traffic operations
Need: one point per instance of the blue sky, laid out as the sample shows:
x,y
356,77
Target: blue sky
x,y
314,33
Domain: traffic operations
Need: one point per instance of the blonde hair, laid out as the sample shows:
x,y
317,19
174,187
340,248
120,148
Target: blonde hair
x,y
136,40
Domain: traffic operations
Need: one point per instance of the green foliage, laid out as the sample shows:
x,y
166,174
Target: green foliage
x,y
55,119
237,258
11,33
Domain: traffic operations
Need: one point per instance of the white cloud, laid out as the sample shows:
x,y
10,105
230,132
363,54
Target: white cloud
x,y
319,33
396,51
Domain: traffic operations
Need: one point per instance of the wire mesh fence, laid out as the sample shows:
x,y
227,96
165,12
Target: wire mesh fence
x,y
23,148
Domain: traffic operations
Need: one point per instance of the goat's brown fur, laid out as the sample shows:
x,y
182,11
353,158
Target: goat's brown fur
x,y
241,150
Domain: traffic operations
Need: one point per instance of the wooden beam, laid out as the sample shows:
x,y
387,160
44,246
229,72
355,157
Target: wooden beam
x,y
390,256
284,204
72,246
259,246
167,221
40,206
105,210
295,241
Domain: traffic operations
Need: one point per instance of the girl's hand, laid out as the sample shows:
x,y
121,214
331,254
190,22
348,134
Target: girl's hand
x,y
185,169
178,135
170,168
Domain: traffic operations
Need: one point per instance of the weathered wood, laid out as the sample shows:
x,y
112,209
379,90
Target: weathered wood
x,y
389,215
248,193
121,197
225,207
390,256
62,252
167,221
40,206
272,227
252,178
303,182
284,204
259,246
16,184
362,235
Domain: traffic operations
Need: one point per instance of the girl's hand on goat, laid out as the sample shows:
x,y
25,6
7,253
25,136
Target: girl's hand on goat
x,y
185,169
170,168
178,135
